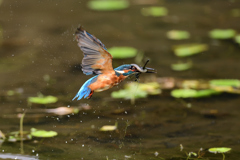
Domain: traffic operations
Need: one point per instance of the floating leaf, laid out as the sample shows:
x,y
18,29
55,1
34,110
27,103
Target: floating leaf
x,y
42,133
109,127
219,150
137,90
152,88
181,66
154,11
123,52
191,93
178,34
16,136
189,49
222,33
108,5
192,153
43,99
237,38
225,82
129,94
226,85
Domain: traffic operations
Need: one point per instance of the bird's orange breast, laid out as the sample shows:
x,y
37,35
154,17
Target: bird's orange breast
x,y
106,81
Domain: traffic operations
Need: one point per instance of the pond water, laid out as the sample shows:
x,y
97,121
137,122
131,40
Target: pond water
x,y
38,42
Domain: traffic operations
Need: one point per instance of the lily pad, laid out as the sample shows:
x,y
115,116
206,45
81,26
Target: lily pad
x,y
237,38
136,90
189,49
123,52
129,94
219,150
16,136
43,99
152,88
191,93
181,66
222,33
225,82
42,133
178,34
154,11
226,85
109,127
108,5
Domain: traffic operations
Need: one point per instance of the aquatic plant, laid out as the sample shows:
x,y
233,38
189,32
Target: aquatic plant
x,y
108,5
191,93
123,52
180,66
178,34
154,11
221,150
136,90
42,133
222,33
189,49
42,99
109,127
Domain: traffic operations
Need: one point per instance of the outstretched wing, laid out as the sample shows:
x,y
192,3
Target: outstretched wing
x,y
96,58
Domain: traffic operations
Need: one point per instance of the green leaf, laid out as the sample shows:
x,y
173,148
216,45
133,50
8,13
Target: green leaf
x,y
178,34
181,66
108,5
109,127
237,38
43,99
226,85
189,49
191,93
152,88
16,136
219,150
225,82
123,52
43,133
222,33
129,94
154,11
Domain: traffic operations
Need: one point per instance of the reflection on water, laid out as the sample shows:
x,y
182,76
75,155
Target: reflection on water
x,y
38,41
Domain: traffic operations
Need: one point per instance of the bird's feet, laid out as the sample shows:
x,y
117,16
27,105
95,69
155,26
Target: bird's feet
x,y
90,95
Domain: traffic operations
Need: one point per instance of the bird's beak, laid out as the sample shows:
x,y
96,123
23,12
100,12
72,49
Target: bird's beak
x,y
150,70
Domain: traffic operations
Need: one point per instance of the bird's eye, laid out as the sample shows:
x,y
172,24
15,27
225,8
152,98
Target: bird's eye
x,y
133,68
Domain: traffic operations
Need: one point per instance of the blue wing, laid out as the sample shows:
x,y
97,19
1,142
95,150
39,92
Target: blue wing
x,y
96,58
84,90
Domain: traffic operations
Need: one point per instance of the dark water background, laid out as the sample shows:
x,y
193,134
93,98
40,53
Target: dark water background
x,y
38,40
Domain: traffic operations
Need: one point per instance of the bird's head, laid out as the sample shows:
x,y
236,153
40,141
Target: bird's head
x,y
128,69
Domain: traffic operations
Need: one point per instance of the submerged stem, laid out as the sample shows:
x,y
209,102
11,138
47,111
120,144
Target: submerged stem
x,y
21,131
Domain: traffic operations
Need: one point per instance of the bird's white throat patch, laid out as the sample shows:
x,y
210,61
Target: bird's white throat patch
x,y
121,72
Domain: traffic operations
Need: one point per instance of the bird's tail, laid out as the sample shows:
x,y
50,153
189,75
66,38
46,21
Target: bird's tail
x,y
84,90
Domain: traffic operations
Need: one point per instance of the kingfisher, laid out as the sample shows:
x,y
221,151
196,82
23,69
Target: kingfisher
x,y
98,61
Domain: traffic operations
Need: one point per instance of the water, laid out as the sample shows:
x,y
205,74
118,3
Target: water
x,y
38,41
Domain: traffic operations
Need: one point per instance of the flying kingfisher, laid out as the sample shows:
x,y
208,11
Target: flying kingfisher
x,y
98,61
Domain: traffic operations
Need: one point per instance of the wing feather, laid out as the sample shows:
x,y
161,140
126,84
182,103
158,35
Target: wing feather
x,y
96,58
